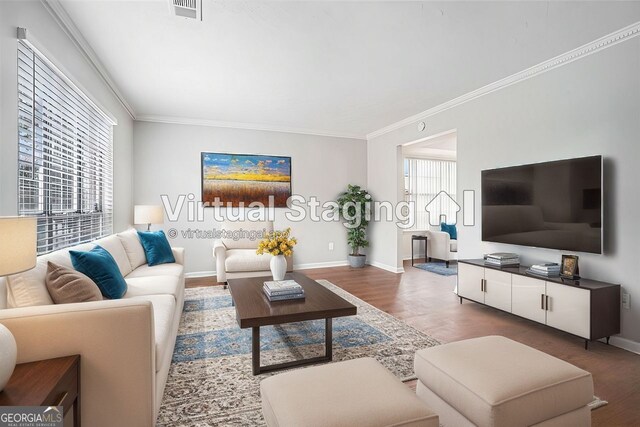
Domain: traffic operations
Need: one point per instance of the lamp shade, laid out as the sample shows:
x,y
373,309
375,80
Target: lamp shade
x,y
148,214
18,250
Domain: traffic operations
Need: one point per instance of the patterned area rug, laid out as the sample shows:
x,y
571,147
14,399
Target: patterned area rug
x,y
210,381
439,268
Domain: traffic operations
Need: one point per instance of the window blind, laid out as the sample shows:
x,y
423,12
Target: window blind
x,y
424,181
65,157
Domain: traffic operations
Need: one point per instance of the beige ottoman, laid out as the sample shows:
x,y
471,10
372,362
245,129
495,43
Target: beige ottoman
x,y
493,381
358,392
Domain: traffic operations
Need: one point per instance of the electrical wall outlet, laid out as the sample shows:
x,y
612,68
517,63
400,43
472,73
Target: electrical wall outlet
x,y
330,246
626,301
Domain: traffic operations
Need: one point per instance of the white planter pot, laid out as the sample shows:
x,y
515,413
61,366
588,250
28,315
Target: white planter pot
x,y
357,261
278,266
8,353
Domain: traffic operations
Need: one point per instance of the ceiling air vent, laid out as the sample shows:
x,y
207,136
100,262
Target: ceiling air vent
x,y
191,9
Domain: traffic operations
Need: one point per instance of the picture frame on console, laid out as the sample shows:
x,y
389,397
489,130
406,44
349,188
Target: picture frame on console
x,y
569,267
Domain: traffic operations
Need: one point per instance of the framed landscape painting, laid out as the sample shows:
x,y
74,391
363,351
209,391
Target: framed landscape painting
x,y
236,179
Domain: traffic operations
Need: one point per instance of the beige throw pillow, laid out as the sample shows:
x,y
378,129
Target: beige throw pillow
x,y
132,246
66,285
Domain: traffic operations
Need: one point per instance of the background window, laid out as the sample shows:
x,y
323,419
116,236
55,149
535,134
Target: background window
x,y
65,157
423,181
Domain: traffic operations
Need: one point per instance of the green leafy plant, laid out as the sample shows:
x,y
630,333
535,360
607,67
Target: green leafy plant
x,y
354,206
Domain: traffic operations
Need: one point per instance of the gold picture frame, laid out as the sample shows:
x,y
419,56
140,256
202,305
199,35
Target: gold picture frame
x,y
569,267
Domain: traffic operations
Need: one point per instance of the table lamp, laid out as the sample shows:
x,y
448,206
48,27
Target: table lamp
x,y
148,214
18,253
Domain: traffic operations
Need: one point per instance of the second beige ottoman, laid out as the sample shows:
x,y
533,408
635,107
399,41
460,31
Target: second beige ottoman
x,y
494,381
359,392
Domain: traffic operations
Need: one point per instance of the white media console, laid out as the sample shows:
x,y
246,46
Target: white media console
x,y
586,308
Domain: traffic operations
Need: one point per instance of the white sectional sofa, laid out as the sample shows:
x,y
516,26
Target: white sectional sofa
x,y
126,345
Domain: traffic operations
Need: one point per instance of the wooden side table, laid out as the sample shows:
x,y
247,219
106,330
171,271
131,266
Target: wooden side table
x,y
51,382
419,238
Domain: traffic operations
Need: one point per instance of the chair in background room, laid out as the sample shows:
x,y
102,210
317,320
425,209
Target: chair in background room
x,y
441,246
235,252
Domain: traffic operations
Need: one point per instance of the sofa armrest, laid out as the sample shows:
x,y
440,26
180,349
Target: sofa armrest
x,y
220,254
115,340
178,254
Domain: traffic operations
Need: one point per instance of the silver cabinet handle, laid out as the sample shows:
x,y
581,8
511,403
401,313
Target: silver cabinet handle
x,y
542,301
547,303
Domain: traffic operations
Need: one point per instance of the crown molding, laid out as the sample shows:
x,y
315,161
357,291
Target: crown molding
x,y
69,27
619,36
240,125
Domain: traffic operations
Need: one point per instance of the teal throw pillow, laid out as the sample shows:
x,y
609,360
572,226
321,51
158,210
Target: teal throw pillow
x,y
100,266
156,247
451,229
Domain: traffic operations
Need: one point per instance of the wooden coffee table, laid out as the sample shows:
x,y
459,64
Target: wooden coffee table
x,y
254,310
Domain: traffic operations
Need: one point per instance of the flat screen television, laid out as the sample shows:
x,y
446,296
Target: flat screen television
x,y
556,205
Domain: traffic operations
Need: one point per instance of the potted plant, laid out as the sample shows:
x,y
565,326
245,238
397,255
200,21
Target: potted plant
x,y
279,244
354,206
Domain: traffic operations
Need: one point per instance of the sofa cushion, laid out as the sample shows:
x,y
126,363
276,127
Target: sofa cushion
x,y
28,288
156,247
244,234
246,260
153,285
145,270
113,245
66,285
133,248
164,307
494,381
359,392
100,266
453,245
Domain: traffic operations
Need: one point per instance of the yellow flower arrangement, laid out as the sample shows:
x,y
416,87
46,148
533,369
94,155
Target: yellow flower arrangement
x,y
277,243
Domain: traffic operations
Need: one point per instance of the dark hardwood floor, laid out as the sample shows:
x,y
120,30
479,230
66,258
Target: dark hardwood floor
x,y
426,301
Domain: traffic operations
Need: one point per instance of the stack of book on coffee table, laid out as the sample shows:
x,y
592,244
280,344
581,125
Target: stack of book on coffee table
x,y
550,269
502,259
280,290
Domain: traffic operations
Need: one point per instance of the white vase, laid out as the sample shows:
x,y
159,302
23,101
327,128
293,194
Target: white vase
x,y
278,266
8,353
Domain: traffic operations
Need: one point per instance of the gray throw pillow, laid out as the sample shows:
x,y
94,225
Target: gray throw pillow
x,y
66,285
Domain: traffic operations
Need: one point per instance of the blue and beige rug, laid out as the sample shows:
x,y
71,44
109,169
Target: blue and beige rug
x,y
210,381
439,268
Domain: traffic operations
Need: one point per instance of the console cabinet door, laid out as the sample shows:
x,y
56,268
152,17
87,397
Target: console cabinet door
x,y
527,295
497,289
569,309
470,282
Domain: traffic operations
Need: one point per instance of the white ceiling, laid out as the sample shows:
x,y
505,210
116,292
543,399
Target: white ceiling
x,y
345,68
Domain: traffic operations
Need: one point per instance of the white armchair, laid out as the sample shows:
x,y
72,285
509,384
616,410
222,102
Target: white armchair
x,y
235,252
441,246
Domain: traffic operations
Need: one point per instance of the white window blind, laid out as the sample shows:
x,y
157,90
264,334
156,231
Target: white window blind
x,y
424,182
65,157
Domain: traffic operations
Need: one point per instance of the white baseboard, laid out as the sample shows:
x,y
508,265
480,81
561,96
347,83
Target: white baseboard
x,y
386,267
415,257
309,265
194,274
625,344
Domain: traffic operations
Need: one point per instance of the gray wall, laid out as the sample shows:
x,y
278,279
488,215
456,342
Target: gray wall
x,y
587,107
60,50
167,161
